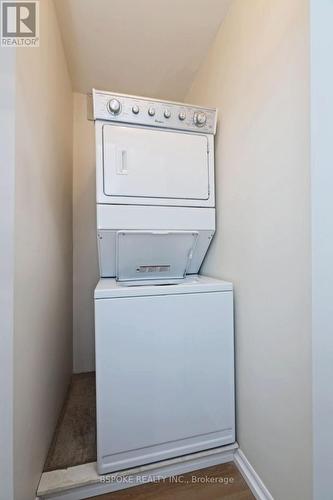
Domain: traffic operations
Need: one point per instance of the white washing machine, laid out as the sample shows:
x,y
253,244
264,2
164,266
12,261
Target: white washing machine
x,y
164,334
165,370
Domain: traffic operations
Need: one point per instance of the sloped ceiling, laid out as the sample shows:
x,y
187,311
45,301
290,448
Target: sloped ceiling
x,y
143,47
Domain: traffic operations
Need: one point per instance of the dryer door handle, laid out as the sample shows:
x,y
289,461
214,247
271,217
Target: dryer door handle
x,y
121,162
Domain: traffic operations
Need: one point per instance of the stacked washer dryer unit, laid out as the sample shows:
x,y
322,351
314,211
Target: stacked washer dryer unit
x,y
164,334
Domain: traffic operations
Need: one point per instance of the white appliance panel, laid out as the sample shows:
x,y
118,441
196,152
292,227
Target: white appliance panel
x,y
142,255
122,167
146,163
108,288
147,217
107,251
165,376
114,218
180,116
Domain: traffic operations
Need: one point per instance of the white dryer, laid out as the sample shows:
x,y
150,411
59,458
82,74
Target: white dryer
x,y
163,334
154,186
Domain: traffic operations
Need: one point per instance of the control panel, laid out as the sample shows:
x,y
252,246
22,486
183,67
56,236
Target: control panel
x,y
154,113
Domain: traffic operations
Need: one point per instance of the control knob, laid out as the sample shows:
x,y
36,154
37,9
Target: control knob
x,y
182,115
151,111
167,113
200,119
135,109
114,106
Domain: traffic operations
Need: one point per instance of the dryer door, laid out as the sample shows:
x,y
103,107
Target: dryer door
x,y
156,165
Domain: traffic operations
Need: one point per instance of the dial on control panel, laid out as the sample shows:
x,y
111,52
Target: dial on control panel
x,y
151,111
114,106
200,119
135,109
182,115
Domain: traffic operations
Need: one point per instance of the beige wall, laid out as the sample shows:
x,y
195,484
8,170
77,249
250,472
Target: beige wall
x,y
257,74
43,249
86,273
322,243
7,221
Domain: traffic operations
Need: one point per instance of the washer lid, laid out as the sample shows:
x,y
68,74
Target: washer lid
x,y
108,288
145,255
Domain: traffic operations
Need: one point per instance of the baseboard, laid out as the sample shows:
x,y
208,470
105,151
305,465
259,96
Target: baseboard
x,y
254,482
83,481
